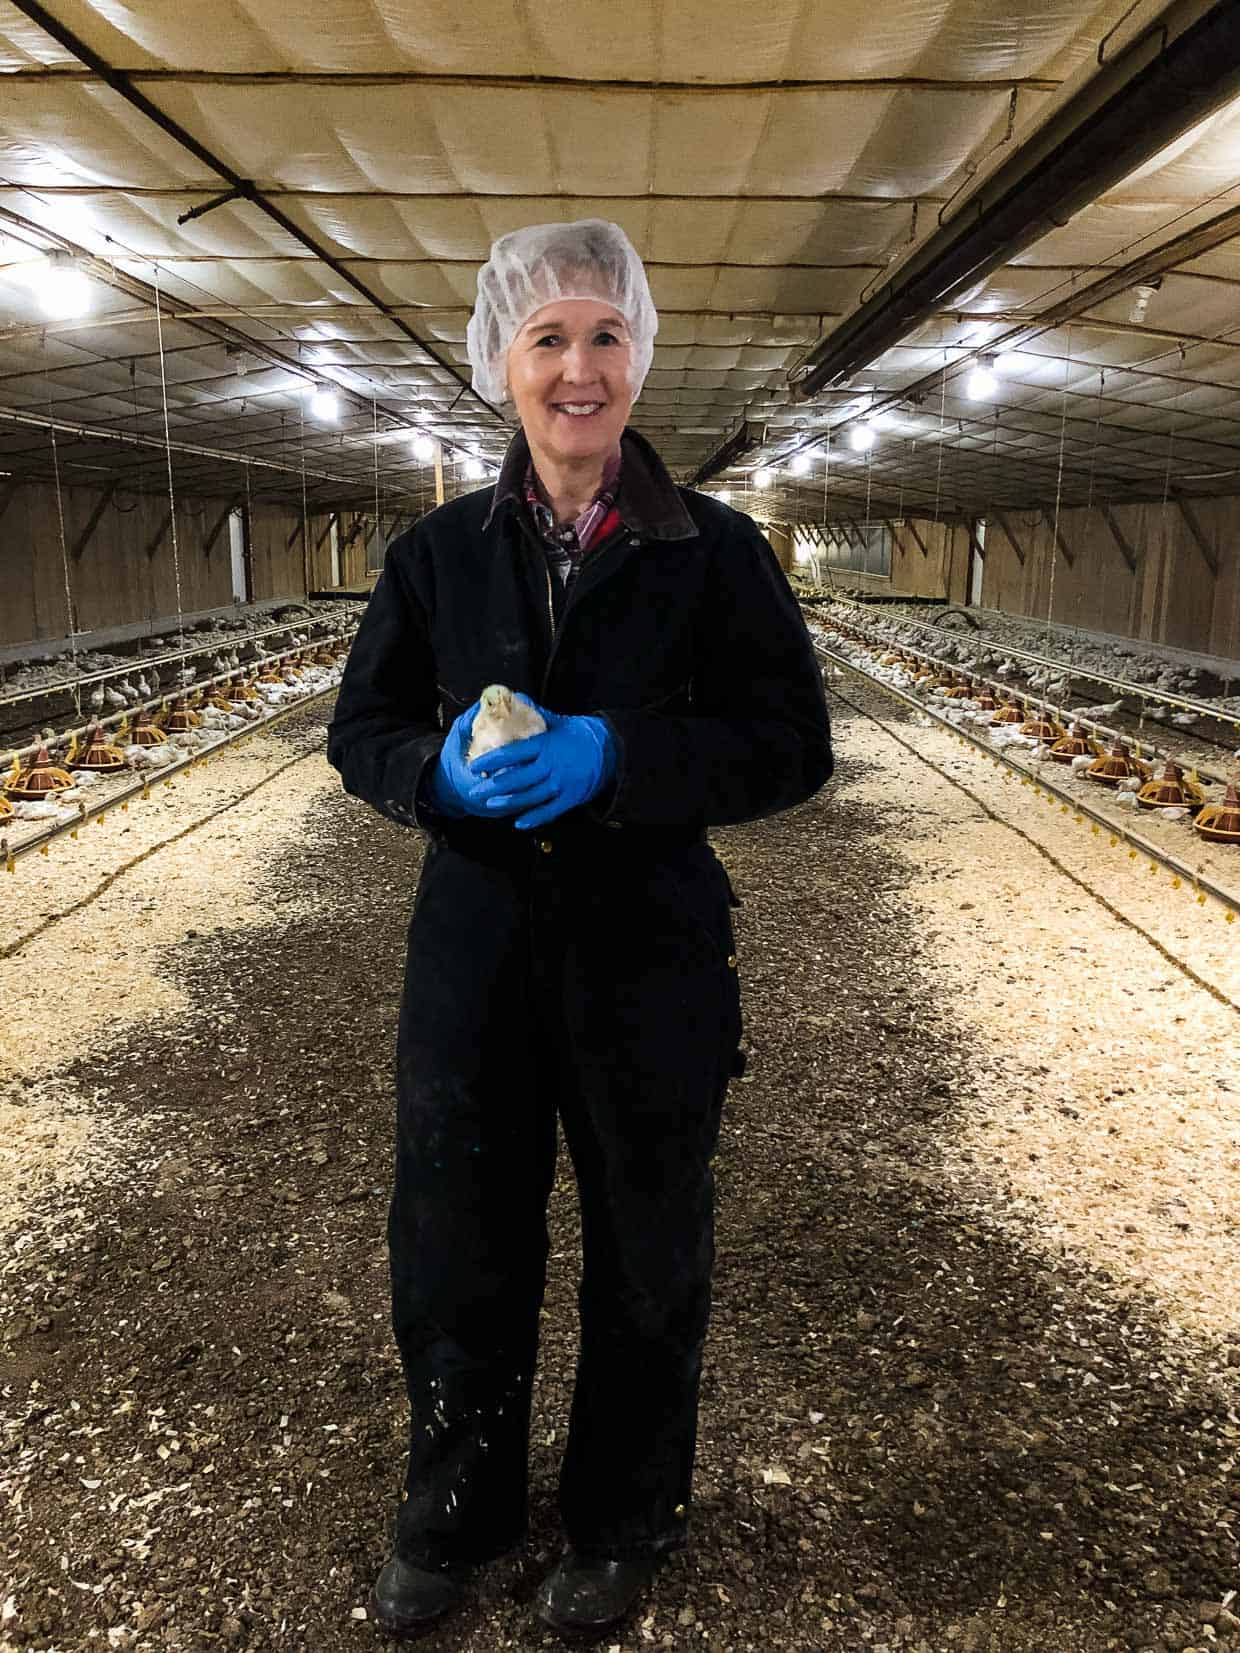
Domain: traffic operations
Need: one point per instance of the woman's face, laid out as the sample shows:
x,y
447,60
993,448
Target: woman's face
x,y
568,373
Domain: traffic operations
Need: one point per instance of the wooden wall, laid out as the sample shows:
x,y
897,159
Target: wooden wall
x,y
125,572
1171,597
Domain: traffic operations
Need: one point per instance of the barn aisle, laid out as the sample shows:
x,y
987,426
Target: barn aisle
x,y
961,1393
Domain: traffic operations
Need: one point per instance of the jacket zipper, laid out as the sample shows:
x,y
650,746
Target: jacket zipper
x,y
619,537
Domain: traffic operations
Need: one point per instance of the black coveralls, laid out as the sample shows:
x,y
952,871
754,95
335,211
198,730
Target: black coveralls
x,y
587,968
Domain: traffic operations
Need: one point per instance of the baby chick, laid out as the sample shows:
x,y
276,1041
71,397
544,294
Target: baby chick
x,y
501,718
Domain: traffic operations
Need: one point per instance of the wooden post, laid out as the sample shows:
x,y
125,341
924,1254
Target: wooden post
x,y
1006,526
1125,549
92,522
1195,529
157,538
917,539
1062,543
438,473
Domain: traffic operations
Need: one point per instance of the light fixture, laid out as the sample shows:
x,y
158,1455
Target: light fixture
x,y
724,494
982,384
324,403
763,478
1144,291
474,469
800,464
861,438
423,448
64,291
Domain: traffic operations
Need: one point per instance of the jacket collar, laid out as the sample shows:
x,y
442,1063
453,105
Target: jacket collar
x,y
648,501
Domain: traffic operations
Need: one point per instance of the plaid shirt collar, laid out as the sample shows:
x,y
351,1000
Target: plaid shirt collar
x,y
580,534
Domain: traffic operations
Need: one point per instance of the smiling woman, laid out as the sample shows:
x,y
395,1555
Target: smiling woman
x,y
571,954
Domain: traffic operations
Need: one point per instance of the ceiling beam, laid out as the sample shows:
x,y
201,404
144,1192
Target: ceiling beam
x,y
367,78
1156,87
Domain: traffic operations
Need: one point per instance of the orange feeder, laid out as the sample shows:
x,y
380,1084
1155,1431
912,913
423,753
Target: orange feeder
x,y
1076,745
1171,791
99,757
180,718
1008,713
1221,822
1040,727
1115,766
40,780
145,733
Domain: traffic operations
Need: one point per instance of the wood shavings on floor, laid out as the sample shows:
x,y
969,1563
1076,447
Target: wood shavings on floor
x,y
1106,1119
94,975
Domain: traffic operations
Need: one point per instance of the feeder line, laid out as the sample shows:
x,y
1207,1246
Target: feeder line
x,y
162,700
9,854
1141,692
1142,745
1114,828
139,665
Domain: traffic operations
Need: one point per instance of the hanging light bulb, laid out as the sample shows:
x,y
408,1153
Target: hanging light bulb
x,y
861,438
763,478
724,494
982,384
64,291
324,403
423,449
800,464
474,469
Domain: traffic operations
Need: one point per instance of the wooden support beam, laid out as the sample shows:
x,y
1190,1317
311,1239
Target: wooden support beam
x,y
1195,529
291,541
335,517
1007,528
157,538
917,539
975,543
217,527
1059,539
1117,534
92,522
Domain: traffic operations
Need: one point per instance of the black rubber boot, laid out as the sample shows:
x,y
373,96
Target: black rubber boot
x,y
408,1599
584,1598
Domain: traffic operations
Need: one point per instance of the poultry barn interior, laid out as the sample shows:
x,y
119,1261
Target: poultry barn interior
x,y
949,304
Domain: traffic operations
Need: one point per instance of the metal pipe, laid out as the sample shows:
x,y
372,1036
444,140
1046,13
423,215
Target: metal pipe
x,y
1179,70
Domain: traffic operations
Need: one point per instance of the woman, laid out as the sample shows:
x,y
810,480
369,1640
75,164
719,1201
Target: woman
x,y
571,948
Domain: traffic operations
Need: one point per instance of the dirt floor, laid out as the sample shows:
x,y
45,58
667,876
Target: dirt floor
x,y
929,1425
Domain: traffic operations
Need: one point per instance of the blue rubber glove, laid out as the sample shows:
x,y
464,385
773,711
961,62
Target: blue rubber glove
x,y
448,784
546,775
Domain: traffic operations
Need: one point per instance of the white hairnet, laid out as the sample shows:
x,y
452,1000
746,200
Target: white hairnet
x,y
544,262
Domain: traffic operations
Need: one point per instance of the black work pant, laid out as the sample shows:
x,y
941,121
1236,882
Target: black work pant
x,y
608,996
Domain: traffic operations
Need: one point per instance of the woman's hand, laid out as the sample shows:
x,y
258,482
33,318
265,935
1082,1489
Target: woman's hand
x,y
547,775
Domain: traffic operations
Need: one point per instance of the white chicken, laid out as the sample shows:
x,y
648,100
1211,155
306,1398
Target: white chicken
x,y
502,718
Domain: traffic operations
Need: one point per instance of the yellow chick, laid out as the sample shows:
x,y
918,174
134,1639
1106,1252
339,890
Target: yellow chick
x,y
502,718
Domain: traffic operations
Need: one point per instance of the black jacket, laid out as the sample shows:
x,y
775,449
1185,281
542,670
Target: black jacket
x,y
681,631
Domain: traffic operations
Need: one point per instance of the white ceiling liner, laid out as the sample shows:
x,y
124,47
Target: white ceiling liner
x,y
651,40
771,165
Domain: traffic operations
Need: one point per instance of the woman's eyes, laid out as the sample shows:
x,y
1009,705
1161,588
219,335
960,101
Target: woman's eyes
x,y
556,339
